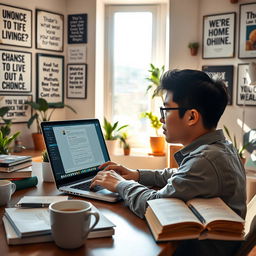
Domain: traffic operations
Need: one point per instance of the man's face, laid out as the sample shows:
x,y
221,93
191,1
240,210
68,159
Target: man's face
x,y
174,127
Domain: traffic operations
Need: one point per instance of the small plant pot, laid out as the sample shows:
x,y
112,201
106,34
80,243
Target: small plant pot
x,y
111,146
193,51
127,151
38,141
157,145
47,172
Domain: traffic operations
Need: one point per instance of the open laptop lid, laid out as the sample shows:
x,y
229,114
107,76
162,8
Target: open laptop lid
x,y
75,147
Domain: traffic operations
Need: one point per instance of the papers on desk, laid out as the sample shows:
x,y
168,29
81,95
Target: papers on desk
x,y
24,226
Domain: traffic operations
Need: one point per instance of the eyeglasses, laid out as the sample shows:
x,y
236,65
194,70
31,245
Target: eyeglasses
x,y
164,110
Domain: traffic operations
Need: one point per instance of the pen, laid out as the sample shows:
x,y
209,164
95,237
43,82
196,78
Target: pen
x,y
32,205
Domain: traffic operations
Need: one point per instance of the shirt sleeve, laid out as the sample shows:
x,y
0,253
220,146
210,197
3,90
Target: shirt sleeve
x,y
195,178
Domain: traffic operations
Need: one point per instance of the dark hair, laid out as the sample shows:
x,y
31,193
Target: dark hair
x,y
195,89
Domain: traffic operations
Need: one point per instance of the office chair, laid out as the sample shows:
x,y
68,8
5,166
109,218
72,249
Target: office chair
x,y
250,229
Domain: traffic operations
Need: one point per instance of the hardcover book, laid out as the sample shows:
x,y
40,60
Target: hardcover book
x,y
173,219
10,160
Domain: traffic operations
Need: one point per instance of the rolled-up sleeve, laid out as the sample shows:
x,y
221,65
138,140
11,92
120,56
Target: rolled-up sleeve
x,y
195,178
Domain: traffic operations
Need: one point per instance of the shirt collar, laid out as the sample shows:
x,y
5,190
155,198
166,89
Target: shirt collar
x,y
205,139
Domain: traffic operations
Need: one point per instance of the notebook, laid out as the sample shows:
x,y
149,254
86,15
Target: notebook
x,y
76,149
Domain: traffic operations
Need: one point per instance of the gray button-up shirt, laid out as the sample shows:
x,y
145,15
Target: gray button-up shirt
x,y
208,167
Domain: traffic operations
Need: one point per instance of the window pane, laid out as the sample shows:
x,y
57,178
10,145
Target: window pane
x,y
132,52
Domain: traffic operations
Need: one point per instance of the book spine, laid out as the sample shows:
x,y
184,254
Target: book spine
x,y
25,183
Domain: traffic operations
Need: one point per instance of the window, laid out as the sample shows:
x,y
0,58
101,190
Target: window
x,y
135,37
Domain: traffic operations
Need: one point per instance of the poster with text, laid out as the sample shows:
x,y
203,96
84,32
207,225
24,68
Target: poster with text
x,y
19,112
246,94
49,31
16,74
50,78
247,36
77,28
219,35
77,54
77,81
223,73
15,26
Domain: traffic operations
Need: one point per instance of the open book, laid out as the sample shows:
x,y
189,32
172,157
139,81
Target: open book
x,y
172,219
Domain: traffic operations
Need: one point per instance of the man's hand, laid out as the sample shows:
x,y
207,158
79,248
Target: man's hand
x,y
126,173
107,179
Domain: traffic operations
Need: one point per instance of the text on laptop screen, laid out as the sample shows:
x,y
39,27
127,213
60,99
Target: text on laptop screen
x,y
75,149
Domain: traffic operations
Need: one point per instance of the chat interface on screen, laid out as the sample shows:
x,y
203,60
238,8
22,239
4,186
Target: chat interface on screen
x,y
77,147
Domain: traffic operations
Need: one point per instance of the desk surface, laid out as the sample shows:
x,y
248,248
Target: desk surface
x,y
132,235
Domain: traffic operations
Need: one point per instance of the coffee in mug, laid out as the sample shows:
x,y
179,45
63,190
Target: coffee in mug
x,y
71,222
7,188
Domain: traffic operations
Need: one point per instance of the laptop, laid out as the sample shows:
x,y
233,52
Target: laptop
x,y
76,149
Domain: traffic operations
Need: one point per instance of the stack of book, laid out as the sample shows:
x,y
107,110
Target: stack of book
x,y
32,225
17,169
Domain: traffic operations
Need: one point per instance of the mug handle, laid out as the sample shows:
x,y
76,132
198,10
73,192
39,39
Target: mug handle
x,y
97,218
13,187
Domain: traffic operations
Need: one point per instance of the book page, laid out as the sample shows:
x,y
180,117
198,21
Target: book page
x,y
171,210
212,209
41,199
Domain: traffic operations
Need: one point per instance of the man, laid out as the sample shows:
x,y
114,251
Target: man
x,y
209,165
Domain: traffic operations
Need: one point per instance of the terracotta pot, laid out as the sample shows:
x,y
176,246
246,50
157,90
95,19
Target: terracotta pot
x,y
243,160
157,144
127,151
193,51
38,141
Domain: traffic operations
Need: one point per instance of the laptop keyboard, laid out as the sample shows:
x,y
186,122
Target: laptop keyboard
x,y
86,186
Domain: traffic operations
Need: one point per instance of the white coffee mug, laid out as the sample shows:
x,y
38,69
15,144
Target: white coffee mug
x,y
71,222
7,188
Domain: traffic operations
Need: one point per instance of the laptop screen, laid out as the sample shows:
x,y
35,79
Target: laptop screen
x,y
76,148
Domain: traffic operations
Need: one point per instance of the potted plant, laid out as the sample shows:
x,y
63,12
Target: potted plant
x,y
125,144
157,143
154,78
111,134
46,168
5,130
193,48
42,112
241,149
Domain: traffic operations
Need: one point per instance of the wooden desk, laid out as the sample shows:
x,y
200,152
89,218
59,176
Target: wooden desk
x,y
132,236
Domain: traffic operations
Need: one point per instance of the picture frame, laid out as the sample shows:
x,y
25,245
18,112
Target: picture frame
x,y
247,31
16,30
77,81
19,112
225,73
49,31
16,75
77,28
50,78
246,94
219,36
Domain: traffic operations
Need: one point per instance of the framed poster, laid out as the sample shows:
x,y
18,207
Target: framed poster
x,y
19,112
223,73
49,30
77,54
15,26
246,94
247,35
16,72
219,35
77,81
77,28
50,78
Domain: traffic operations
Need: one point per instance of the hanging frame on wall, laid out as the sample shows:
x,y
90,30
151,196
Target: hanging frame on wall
x,y
49,30
15,26
246,94
247,34
223,73
50,78
219,36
